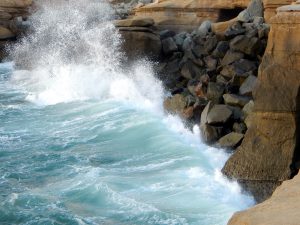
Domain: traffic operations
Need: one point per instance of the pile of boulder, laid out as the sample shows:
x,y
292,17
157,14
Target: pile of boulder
x,y
211,75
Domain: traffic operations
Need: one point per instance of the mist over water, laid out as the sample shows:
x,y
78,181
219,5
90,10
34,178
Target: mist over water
x,y
85,140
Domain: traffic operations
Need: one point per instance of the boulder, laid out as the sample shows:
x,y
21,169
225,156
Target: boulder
x,y
215,92
231,56
175,104
245,44
248,85
169,46
210,134
138,22
254,9
190,70
138,44
204,28
239,128
236,100
248,108
281,208
230,140
218,114
6,34
221,49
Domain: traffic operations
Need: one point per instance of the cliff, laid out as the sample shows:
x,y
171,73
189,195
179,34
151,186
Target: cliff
x,y
281,209
269,153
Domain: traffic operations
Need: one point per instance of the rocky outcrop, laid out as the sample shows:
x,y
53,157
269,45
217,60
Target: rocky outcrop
x,y
139,38
13,16
281,209
270,150
189,14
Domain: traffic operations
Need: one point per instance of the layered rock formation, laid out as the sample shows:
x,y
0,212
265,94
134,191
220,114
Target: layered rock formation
x,y
189,14
281,209
269,153
13,16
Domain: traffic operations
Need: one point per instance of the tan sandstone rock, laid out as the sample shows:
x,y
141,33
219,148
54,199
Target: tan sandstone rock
x,y
281,209
268,152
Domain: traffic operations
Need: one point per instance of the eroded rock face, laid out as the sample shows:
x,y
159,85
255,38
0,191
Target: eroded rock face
x,y
281,208
269,152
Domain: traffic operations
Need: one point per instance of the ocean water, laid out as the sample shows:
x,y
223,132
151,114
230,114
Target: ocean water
x,y
84,140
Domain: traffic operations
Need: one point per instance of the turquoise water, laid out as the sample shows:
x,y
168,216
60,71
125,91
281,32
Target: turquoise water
x,y
106,162
84,140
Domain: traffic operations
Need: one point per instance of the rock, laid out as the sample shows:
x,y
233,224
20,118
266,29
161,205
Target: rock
x,y
230,140
138,44
220,28
139,22
218,114
254,9
204,28
211,63
248,85
210,134
248,108
169,46
187,44
166,34
281,208
6,34
221,49
258,20
231,56
239,128
179,39
176,104
245,44
210,44
199,51
263,31
215,92
244,67
234,30
190,70
236,100
205,112
237,112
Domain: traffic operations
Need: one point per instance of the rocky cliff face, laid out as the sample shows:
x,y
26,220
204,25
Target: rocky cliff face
x,y
281,209
13,16
188,14
269,153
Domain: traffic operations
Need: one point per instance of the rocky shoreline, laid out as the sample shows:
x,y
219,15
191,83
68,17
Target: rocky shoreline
x,y
238,80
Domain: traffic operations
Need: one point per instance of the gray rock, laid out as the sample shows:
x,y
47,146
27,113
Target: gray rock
x,y
254,9
187,44
234,30
204,28
248,85
218,114
231,56
211,63
179,39
190,70
199,51
169,46
166,34
221,49
245,44
236,100
210,43
258,20
230,140
205,112
215,92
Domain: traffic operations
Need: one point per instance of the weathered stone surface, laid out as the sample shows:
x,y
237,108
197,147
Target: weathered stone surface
x,y
175,104
138,44
235,100
138,22
248,108
255,8
248,86
230,140
210,134
245,44
215,92
231,56
281,208
218,114
169,46
221,49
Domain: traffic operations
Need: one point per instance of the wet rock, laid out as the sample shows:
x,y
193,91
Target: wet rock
x,y
175,104
210,134
236,100
144,22
169,46
230,140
